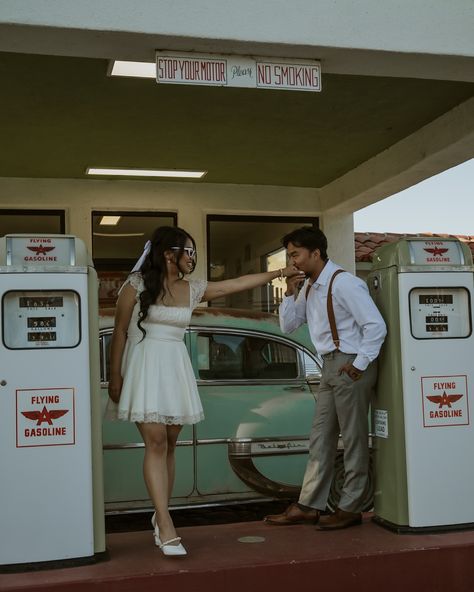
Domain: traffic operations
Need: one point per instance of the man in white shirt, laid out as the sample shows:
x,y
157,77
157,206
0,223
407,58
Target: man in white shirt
x,y
349,349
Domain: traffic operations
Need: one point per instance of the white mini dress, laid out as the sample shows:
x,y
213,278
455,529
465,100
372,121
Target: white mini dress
x,y
158,380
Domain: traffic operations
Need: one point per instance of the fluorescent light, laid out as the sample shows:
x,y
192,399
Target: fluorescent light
x,y
133,69
146,173
109,220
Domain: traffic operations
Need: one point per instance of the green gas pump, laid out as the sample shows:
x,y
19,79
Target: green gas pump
x,y
422,417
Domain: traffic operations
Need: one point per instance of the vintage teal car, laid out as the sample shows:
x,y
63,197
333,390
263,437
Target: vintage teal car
x,y
257,387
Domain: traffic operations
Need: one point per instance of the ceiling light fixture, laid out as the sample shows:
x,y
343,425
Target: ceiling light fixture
x,y
109,220
175,173
133,69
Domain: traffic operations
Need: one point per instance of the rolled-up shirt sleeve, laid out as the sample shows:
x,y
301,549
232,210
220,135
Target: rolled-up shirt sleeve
x,y
292,312
367,316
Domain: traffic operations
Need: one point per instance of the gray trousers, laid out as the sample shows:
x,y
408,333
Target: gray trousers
x,y
342,406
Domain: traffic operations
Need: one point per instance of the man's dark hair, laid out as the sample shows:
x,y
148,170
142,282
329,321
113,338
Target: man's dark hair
x,y
308,237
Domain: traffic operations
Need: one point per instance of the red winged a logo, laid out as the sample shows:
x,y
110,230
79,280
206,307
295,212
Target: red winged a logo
x,y
44,416
41,249
436,251
444,399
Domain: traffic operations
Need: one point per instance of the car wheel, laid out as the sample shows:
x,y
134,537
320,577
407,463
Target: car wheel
x,y
338,482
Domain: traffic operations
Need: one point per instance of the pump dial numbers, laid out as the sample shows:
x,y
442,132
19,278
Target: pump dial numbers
x,y
436,328
43,336
41,322
435,299
41,302
441,312
437,319
35,319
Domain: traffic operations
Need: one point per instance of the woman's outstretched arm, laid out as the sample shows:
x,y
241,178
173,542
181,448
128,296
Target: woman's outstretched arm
x,y
247,282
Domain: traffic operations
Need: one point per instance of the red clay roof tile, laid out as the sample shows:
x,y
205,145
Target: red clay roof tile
x,y
366,243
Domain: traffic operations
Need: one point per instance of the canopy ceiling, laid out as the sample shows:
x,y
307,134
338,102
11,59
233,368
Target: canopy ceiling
x,y
60,115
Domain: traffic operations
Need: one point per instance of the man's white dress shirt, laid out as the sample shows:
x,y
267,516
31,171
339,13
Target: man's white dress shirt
x,y
359,323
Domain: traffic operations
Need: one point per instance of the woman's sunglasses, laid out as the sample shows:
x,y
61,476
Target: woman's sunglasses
x,y
190,251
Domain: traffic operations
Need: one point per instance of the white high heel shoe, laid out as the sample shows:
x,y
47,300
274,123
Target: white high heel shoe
x,y
171,550
156,533
166,548
155,525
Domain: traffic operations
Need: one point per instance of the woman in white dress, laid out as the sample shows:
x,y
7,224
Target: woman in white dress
x,y
151,378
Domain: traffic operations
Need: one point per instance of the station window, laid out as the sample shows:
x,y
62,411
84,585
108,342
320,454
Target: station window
x,y
118,239
238,245
32,221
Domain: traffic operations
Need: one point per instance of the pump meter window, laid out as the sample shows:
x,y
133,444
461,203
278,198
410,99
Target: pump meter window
x,y
440,312
35,319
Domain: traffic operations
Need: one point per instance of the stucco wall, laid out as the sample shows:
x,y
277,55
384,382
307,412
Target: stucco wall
x,y
192,202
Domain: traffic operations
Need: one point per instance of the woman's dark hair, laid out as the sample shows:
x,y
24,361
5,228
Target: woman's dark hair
x,y
308,237
153,269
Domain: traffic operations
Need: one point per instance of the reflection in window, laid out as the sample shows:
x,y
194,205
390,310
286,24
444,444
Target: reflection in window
x,y
118,239
239,357
248,244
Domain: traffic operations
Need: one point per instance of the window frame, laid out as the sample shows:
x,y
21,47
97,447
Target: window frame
x,y
311,220
37,212
108,264
210,218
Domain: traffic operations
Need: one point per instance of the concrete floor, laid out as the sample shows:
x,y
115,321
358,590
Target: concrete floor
x,y
254,556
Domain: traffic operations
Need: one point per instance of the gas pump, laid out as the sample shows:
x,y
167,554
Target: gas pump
x,y
51,494
424,435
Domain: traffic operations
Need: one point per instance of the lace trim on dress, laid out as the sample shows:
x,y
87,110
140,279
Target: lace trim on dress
x,y
136,281
197,289
153,417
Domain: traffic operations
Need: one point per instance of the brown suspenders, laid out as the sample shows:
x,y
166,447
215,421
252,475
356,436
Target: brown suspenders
x,y
332,319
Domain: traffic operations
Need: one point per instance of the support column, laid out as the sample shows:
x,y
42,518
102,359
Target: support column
x,y
79,223
339,230
193,220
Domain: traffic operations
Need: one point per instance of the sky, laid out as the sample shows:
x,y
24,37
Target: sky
x,y
443,204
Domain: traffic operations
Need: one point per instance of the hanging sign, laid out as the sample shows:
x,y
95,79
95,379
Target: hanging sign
x,y
237,71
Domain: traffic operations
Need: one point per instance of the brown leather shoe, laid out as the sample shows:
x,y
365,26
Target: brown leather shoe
x,y
340,519
293,515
